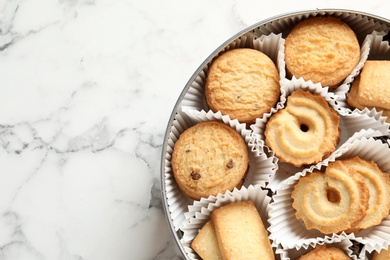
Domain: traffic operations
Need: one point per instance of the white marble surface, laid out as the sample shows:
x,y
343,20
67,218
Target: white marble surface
x,y
87,88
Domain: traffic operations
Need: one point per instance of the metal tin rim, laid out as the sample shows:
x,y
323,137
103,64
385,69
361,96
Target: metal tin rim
x,y
207,60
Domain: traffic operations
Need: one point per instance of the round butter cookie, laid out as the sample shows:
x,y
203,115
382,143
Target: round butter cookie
x,y
242,83
322,49
209,158
305,131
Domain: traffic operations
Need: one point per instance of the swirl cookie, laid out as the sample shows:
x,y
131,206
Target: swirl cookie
x,y
209,158
331,201
378,184
322,49
242,83
305,131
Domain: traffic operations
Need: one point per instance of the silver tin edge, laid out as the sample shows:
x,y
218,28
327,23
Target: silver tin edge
x,y
175,234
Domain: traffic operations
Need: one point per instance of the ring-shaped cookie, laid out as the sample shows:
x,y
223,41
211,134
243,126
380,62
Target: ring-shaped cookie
x,y
378,184
331,201
305,131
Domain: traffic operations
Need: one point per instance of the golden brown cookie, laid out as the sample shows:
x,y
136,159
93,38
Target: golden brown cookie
x,y
378,183
305,131
322,49
331,201
209,158
242,83
371,89
324,253
353,100
205,243
382,255
240,232
374,87
352,97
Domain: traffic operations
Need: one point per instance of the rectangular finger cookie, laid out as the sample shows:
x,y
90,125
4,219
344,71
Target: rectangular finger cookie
x,y
240,232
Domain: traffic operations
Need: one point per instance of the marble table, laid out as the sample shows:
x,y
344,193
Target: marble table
x,y
87,88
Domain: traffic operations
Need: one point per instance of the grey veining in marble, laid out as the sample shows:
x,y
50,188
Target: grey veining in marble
x,y
87,88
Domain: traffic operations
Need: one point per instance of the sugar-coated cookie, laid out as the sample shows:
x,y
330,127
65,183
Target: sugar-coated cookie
x,y
371,89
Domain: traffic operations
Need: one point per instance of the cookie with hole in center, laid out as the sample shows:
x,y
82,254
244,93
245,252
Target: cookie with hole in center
x,y
331,201
305,131
209,158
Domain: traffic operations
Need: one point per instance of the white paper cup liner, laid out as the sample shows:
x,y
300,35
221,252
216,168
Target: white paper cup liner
x,y
271,45
261,167
364,254
358,128
199,212
365,51
343,89
350,123
287,88
377,49
377,237
290,254
362,26
290,232
177,203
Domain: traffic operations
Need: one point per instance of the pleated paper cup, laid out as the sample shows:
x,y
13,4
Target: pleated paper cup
x,y
350,123
261,167
362,132
362,26
345,245
199,213
271,45
290,232
377,49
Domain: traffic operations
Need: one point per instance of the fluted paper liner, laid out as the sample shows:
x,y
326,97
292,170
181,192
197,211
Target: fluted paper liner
x,y
261,167
199,212
271,45
357,129
364,254
378,49
362,26
292,254
290,232
350,123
